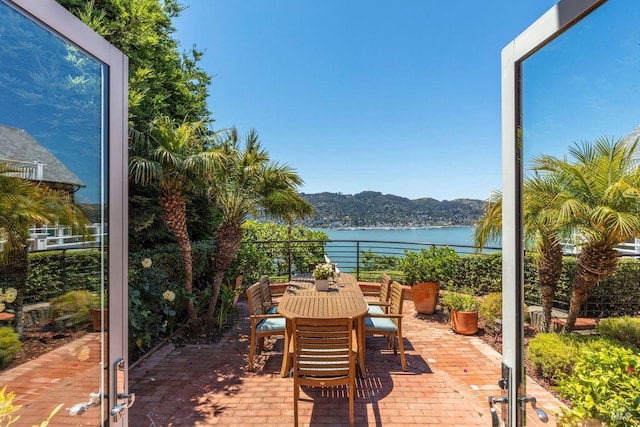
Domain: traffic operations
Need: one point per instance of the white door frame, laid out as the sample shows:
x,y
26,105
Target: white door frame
x,y
65,24
554,22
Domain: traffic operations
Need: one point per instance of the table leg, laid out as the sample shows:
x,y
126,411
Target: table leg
x,y
286,355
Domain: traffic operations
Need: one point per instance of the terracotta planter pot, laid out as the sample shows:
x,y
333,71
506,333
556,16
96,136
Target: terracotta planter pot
x,y
464,322
96,320
425,296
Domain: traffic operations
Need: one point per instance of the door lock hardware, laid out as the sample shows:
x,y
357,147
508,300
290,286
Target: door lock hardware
x,y
542,415
495,421
81,408
123,399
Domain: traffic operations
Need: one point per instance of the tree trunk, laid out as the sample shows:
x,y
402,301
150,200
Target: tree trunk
x,y
174,214
594,263
549,271
228,239
18,271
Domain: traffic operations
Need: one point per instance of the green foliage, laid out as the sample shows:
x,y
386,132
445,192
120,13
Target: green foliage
x,y
153,299
228,294
373,261
436,264
482,272
604,386
491,309
624,329
264,251
460,301
555,354
77,304
53,273
9,346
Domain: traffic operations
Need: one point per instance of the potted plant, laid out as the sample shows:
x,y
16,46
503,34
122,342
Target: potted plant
x,y
424,271
321,274
463,311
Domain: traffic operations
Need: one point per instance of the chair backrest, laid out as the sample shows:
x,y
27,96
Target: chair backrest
x,y
397,299
265,285
254,296
385,281
323,348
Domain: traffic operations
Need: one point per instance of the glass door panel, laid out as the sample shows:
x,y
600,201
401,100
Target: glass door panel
x,y
54,142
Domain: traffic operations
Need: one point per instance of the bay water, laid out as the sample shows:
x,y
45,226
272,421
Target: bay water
x,y
370,239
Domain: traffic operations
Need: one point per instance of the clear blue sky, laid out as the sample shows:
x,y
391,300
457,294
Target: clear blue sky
x,y
401,97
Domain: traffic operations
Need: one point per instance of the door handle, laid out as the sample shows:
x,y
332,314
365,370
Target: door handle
x,y
124,400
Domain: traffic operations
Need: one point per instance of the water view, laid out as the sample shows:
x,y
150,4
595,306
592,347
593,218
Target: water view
x,y
382,241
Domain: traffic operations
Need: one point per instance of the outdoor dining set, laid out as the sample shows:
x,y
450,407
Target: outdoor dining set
x,y
324,330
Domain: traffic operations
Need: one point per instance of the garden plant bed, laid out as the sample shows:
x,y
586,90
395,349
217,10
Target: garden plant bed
x,y
37,342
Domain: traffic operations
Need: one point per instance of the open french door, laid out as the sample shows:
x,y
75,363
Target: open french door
x,y
63,124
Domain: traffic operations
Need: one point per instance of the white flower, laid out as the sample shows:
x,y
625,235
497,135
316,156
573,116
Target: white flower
x,y
146,263
169,295
10,295
1,306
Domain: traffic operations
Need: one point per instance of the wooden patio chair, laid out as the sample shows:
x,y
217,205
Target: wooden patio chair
x,y
382,305
324,355
262,324
390,324
270,306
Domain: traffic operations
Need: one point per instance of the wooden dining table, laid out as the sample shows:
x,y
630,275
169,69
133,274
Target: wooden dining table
x,y
343,299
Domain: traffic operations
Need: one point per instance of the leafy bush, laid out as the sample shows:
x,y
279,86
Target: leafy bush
x,y
152,301
491,309
436,264
624,329
604,386
372,261
554,354
77,304
9,345
460,301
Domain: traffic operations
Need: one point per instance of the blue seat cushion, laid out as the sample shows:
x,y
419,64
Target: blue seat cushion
x,y
272,324
376,309
272,310
383,324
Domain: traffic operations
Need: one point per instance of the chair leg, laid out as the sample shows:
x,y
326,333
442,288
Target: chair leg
x,y
401,344
252,347
352,392
260,345
296,396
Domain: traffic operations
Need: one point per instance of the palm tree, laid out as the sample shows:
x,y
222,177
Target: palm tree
x,y
600,202
24,204
249,184
540,232
175,156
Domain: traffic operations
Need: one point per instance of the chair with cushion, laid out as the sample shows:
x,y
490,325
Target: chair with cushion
x,y
262,324
324,355
382,305
270,306
390,324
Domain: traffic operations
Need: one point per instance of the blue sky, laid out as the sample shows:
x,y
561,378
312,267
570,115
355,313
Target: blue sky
x,y
398,97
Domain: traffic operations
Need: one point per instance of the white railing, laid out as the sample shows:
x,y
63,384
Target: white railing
x,y
630,247
61,237
33,171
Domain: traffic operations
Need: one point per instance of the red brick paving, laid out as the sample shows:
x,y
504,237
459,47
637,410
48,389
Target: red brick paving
x,y
449,379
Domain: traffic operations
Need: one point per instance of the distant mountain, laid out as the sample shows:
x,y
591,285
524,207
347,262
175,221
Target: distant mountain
x,y
374,209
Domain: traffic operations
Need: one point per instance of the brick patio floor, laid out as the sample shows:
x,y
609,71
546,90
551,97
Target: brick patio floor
x,y
447,384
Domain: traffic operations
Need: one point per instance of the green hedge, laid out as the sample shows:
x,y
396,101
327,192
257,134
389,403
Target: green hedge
x,y
54,273
616,295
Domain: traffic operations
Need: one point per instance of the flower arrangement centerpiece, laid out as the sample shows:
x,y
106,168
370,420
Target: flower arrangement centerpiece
x,y
321,274
323,271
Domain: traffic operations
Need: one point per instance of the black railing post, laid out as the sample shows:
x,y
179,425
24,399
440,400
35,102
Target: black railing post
x,y
358,260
